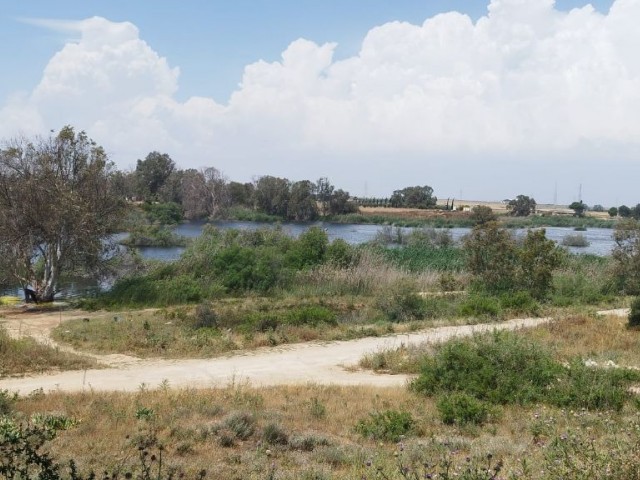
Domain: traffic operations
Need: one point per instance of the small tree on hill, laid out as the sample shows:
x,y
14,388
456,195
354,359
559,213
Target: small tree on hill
x,y
613,212
522,206
624,211
578,208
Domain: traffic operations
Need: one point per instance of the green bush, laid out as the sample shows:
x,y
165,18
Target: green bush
x,y
273,434
480,306
593,388
461,409
501,368
312,315
634,313
388,425
402,302
7,399
520,302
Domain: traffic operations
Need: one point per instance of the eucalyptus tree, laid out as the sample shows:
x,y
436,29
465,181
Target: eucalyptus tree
x,y
58,207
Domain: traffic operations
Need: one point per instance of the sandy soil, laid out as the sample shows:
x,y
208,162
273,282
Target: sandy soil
x,y
321,363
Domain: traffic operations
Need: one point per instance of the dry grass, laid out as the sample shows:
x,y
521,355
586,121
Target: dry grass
x,y
412,213
598,338
24,356
319,423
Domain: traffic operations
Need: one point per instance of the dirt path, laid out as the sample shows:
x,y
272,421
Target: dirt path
x,y
325,363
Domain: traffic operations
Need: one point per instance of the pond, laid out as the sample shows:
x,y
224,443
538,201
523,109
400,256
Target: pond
x,y
600,243
600,239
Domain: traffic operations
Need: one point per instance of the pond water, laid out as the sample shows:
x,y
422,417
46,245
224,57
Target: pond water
x,y
600,239
600,243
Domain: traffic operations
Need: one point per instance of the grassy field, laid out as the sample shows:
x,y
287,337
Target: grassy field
x,y
324,432
25,356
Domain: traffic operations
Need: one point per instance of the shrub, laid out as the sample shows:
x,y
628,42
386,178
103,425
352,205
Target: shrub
x,y
274,434
388,425
461,409
634,313
402,302
480,306
500,367
593,388
575,240
241,424
7,399
520,302
204,316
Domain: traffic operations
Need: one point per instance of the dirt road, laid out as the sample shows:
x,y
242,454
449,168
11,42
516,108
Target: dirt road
x,y
323,363
330,362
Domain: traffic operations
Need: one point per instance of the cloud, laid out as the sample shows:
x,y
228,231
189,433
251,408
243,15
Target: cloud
x,y
524,80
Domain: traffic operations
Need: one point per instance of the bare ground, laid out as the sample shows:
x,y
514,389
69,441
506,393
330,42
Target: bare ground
x,y
319,363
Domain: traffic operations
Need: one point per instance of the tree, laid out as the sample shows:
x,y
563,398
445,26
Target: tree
x,y
302,204
613,212
521,206
58,208
481,214
492,257
578,208
624,211
414,197
271,195
204,193
341,204
324,193
597,208
500,265
152,173
538,258
241,194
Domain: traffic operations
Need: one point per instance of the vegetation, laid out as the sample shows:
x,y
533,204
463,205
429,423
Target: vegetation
x,y
499,264
579,208
57,209
626,256
413,197
521,206
25,355
575,240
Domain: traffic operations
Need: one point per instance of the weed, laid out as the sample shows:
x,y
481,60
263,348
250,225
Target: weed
x,y
274,434
388,425
461,409
634,313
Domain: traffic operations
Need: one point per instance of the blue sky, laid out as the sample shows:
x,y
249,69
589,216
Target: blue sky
x,y
524,107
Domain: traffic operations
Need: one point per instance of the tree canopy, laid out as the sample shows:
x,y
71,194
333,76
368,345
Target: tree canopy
x,y
522,206
58,206
414,197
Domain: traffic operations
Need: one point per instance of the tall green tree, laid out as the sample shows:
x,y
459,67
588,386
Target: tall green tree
x,y
58,207
152,173
302,205
271,195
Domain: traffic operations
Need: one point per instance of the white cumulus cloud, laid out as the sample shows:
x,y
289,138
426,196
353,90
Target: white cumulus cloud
x,y
524,80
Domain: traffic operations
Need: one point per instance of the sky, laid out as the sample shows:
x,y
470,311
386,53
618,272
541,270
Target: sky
x,y
482,99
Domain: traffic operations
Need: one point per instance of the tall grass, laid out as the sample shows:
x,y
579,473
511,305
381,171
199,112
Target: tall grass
x,y
22,356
